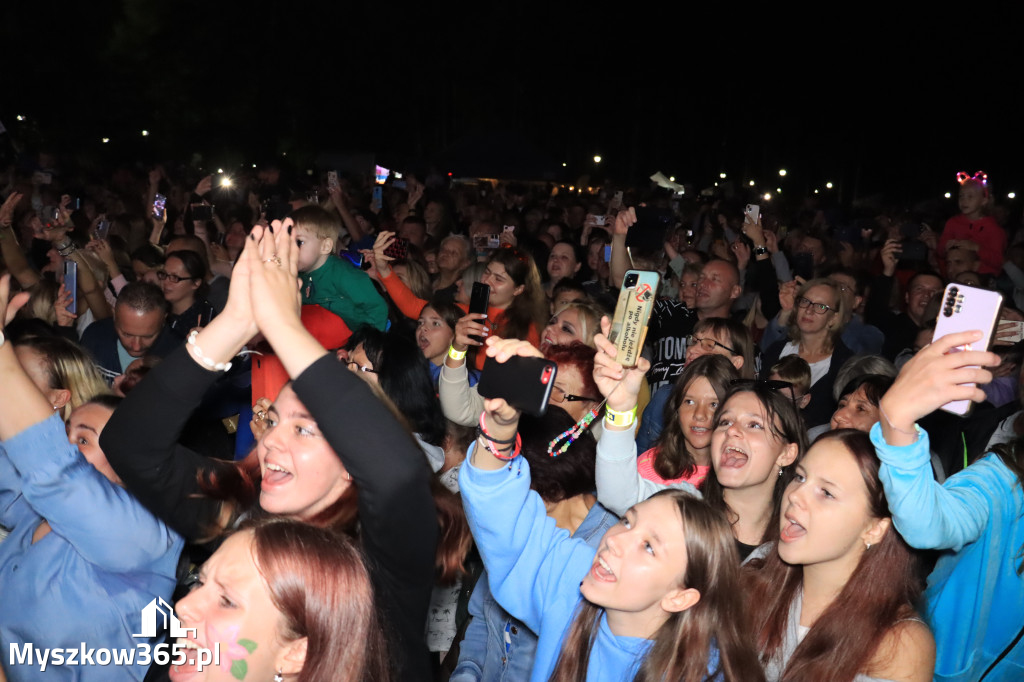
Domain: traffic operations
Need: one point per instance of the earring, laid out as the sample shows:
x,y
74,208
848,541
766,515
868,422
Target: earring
x,y
867,545
279,676
780,472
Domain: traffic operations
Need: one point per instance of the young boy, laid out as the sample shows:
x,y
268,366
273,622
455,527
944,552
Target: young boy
x,y
795,371
329,281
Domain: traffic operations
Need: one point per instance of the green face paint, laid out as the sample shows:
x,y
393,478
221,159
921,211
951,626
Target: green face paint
x,y
240,668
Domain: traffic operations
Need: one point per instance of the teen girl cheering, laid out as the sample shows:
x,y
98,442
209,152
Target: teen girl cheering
x,y
657,599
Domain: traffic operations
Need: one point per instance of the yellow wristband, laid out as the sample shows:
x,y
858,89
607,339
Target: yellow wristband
x,y
456,354
620,419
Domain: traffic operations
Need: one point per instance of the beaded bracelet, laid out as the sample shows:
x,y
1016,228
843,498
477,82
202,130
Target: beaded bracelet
x,y
556,447
481,432
206,362
456,354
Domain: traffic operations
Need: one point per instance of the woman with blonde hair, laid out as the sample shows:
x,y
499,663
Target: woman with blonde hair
x,y
61,370
814,313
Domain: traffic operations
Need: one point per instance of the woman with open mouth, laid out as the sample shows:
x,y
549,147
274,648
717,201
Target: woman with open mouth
x,y
654,601
836,599
758,435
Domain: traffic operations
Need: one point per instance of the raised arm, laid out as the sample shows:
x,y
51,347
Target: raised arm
x,y
620,261
929,515
141,439
531,564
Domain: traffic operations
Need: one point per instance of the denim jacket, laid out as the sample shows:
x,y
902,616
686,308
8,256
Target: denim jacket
x,y
498,647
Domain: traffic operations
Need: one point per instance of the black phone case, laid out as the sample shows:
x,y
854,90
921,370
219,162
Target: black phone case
x,y
524,383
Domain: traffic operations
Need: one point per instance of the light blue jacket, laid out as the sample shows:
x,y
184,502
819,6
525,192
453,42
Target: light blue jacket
x,y
498,647
89,578
975,598
535,570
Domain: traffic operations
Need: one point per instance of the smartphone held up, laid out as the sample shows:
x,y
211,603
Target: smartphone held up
x,y
632,313
963,309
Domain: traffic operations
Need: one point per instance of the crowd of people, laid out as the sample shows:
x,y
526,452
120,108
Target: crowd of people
x,y
255,397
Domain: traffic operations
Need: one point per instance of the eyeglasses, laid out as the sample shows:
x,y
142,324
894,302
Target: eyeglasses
x,y
816,308
559,396
708,344
173,279
361,368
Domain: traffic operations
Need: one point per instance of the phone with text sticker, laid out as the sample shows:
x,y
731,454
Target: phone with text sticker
x,y
71,284
632,313
964,309
524,383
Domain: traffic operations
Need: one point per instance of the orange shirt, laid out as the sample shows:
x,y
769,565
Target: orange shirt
x,y
411,306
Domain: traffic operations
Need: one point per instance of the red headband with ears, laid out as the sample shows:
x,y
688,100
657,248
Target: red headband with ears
x,y
980,176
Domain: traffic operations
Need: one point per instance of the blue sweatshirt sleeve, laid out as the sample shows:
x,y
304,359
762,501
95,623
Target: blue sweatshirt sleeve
x,y
929,515
534,567
81,505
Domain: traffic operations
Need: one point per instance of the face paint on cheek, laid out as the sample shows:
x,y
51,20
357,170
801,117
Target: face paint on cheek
x,y
234,651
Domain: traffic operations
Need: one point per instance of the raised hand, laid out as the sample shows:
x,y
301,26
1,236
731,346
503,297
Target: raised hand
x,y
60,308
7,209
624,220
890,257
205,186
380,245
10,306
620,386
273,261
936,375
466,328
787,293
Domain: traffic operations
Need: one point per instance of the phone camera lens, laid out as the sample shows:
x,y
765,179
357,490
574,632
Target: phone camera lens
x,y
631,281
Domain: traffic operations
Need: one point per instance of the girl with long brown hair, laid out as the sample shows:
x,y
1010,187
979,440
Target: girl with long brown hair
x,y
658,598
834,601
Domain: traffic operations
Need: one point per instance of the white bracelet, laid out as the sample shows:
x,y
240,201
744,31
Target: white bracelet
x,y
197,354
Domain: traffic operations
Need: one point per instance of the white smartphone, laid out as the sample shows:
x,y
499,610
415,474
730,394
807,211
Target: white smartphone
x,y
965,309
753,211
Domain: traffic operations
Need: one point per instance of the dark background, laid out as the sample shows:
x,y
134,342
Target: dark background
x,y
873,102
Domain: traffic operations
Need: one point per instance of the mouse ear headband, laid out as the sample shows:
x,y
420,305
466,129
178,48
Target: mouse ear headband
x,y
981,177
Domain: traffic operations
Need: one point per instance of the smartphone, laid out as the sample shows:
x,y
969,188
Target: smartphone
x,y
202,212
50,216
71,284
398,249
159,206
753,212
332,179
608,253
378,198
486,242
509,228
802,265
616,202
276,209
478,302
102,229
524,383
964,309
74,204
632,313
381,175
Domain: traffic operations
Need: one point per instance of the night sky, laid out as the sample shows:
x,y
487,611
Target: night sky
x,y
872,103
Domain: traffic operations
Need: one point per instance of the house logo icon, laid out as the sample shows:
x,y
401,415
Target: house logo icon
x,y
158,615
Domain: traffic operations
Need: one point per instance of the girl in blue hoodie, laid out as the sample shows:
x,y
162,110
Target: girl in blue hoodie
x,y
974,595
658,599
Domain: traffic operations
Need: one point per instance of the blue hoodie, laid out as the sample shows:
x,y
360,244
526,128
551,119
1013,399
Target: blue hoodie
x,y
975,598
535,570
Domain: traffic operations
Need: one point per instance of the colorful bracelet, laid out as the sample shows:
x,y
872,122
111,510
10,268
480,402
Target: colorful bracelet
x,y
456,354
492,443
620,419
